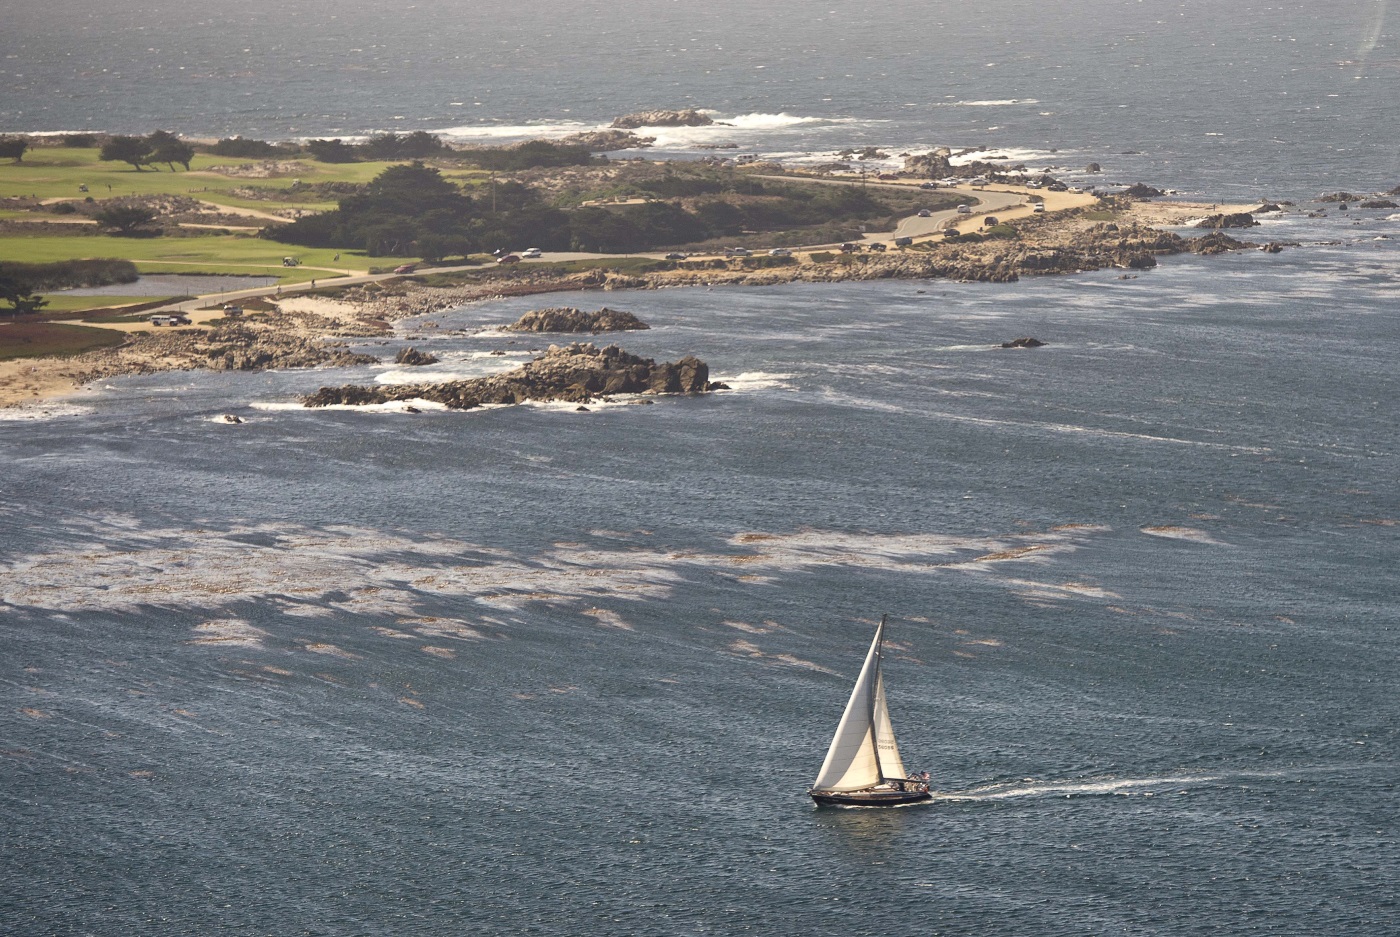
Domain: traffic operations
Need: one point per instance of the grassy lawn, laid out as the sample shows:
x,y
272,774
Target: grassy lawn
x,y
62,302
41,339
56,172
209,254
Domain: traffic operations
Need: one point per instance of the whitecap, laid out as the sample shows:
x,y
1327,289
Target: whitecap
x,y
391,406
41,411
756,380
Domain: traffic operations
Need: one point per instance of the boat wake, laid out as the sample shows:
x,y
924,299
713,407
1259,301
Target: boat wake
x,y
1079,787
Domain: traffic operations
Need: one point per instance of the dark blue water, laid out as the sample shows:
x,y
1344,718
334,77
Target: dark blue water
x,y
531,670
1227,100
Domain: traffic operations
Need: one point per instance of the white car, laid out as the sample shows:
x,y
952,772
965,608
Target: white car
x,y
780,252
964,209
531,252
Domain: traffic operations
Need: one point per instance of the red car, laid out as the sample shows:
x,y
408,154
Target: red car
x,y
406,268
508,259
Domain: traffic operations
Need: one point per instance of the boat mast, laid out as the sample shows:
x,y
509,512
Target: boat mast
x,y
875,694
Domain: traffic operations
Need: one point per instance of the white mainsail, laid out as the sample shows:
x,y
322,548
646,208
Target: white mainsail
x,y
864,751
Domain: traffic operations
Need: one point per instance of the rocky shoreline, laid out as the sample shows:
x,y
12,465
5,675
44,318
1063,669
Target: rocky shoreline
x,y
304,332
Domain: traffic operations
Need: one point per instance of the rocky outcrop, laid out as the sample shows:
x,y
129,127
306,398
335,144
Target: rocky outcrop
x,y
413,358
1378,203
1241,219
1342,197
1142,190
1023,342
569,319
1268,208
689,117
575,373
1093,167
1216,243
606,141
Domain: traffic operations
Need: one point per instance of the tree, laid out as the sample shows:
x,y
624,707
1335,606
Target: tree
x,y
169,149
18,290
125,219
13,148
331,151
122,149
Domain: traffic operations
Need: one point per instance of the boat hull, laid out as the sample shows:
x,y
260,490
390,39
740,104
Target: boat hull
x,y
869,798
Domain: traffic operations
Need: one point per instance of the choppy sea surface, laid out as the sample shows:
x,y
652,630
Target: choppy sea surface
x,y
540,670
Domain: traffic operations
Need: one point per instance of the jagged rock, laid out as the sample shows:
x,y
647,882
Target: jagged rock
x,y
1342,197
1216,242
1378,203
1093,167
230,418
689,117
576,373
412,357
606,141
1241,219
1273,247
1024,341
569,319
1267,208
1139,190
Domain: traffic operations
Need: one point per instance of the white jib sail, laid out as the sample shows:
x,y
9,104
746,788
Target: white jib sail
x,y
852,762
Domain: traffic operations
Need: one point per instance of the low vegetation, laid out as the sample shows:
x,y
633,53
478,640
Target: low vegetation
x,y
46,339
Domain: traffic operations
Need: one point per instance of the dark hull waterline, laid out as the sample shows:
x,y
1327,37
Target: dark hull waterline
x,y
868,798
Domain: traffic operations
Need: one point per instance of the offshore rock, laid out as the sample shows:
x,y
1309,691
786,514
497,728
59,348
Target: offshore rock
x,y
576,373
1241,219
414,358
1216,242
569,319
689,117
1024,342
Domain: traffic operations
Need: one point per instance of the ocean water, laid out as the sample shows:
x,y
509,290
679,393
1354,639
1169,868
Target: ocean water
x,y
533,670
1226,100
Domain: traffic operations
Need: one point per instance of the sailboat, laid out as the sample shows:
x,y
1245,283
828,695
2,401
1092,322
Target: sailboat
x,y
863,767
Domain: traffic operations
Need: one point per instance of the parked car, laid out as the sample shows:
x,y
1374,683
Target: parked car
x,y
1038,206
737,252
508,259
928,185
990,220
405,268
780,252
964,209
848,247
532,252
232,311
675,255
877,246
903,242
175,319
951,232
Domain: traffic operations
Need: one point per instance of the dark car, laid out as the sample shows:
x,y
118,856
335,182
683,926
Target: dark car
x,y
675,255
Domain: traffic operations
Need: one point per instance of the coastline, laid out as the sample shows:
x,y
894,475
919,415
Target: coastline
x,y
310,330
